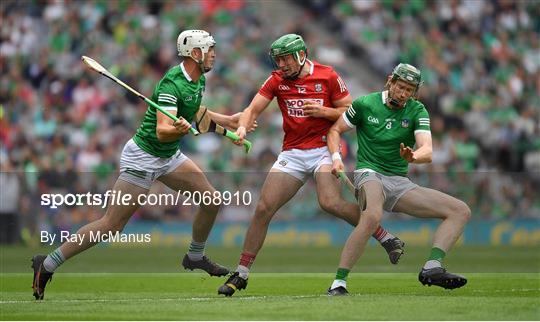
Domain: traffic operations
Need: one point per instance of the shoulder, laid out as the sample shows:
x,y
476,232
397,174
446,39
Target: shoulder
x,y
321,69
173,73
416,106
367,99
273,79
276,75
173,76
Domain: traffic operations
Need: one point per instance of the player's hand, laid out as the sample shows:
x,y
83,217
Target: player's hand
x,y
406,153
182,126
241,132
253,126
337,167
314,109
235,118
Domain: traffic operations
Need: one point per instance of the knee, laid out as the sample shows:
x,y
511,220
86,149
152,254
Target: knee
x,y
113,225
264,212
211,208
459,211
464,212
329,205
371,220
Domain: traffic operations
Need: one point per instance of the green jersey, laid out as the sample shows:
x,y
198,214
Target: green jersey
x,y
380,130
177,93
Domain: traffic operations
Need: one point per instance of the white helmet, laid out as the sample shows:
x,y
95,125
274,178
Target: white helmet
x,y
189,39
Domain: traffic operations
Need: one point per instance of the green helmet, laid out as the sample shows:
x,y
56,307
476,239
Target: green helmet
x,y
407,73
288,44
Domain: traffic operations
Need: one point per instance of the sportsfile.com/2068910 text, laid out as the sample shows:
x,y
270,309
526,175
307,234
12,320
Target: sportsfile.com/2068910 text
x,y
114,197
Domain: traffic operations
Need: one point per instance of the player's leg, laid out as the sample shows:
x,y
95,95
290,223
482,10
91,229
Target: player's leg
x,y
356,243
114,220
429,203
187,176
278,188
331,201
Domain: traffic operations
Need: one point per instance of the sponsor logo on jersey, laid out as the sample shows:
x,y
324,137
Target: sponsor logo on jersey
x,y
405,123
318,87
372,119
284,88
295,107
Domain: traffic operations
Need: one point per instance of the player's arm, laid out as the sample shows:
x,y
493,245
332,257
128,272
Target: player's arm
x,y
423,152
333,138
230,122
258,104
315,109
167,130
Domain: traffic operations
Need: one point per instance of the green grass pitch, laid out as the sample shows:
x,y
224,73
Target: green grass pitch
x,y
288,284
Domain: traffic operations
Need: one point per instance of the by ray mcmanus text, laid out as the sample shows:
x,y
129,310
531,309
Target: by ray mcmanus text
x,y
93,237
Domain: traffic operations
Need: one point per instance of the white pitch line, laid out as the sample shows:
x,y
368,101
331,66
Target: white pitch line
x,y
509,290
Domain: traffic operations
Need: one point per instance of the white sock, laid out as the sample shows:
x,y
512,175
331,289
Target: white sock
x,y
387,237
243,271
338,283
432,264
53,260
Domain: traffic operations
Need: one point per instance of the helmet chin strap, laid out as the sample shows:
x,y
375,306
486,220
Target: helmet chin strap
x,y
394,103
200,63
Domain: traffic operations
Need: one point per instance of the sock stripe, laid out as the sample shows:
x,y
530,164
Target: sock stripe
x,y
53,260
247,259
196,249
56,259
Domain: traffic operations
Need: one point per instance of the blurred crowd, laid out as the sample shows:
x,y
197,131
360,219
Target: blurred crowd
x,y
62,127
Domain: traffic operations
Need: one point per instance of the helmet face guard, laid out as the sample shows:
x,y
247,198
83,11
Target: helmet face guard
x,y
290,44
406,73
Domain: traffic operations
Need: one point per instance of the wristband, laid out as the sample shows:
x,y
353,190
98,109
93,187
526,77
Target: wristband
x,y
336,156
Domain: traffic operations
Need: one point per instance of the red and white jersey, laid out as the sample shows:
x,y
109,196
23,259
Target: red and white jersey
x,y
322,85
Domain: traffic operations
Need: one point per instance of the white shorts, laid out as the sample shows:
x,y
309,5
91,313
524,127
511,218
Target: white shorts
x,y
142,169
302,163
394,187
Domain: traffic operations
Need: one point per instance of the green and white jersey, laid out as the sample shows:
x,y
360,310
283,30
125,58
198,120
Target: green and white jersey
x,y
380,130
180,95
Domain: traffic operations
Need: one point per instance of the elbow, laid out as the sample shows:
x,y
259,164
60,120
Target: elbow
x,y
429,157
160,134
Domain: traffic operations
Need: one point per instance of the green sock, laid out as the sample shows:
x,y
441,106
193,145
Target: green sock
x,y
437,254
342,274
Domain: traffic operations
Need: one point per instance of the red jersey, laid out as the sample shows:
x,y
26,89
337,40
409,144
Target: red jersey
x,y
322,85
